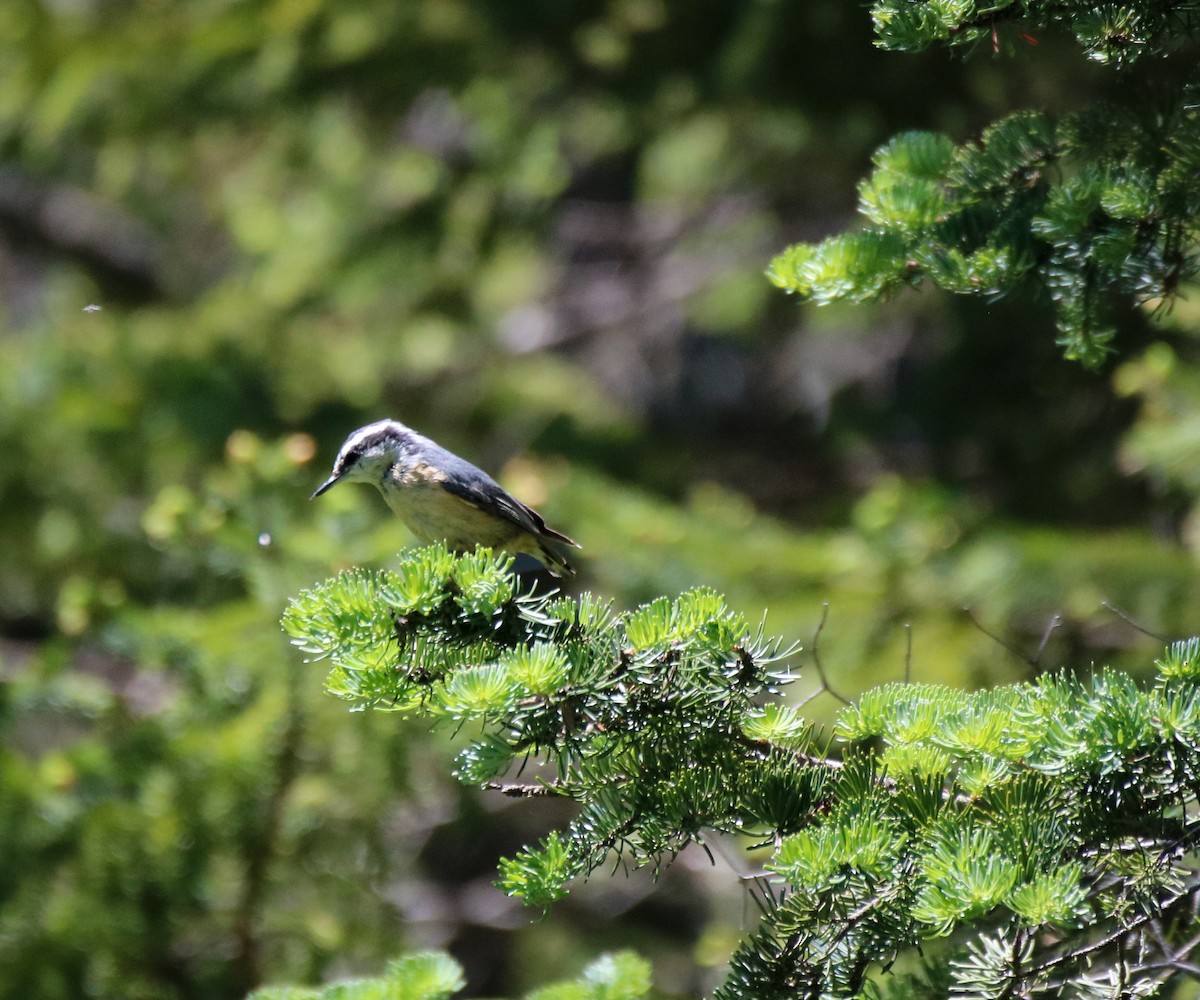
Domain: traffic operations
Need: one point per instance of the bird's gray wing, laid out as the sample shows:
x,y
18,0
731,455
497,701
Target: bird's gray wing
x,y
486,494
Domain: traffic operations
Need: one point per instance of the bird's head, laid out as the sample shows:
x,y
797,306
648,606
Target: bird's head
x,y
367,454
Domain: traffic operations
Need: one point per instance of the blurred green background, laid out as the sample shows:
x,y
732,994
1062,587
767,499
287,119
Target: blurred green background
x,y
231,231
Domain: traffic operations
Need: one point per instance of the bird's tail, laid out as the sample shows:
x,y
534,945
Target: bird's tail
x,y
554,560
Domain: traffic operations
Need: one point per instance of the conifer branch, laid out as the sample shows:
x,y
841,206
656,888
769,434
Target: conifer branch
x,y
1074,956
525,791
1060,808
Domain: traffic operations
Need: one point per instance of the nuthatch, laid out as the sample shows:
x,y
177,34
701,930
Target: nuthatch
x,y
441,497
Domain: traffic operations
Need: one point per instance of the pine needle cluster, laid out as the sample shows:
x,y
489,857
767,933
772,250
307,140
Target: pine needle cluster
x,y
643,719
1091,210
1034,840
1115,34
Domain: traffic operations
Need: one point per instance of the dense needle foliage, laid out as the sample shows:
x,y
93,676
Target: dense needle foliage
x,y
637,717
1088,209
1038,832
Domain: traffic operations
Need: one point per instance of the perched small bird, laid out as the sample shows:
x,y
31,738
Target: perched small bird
x,y
441,497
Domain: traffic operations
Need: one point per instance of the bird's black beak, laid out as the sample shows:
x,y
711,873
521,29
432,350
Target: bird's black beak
x,y
325,485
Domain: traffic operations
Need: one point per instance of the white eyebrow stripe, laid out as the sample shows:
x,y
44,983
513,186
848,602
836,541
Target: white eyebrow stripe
x,y
360,435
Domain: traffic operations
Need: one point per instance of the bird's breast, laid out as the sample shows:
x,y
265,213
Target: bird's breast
x,y
416,495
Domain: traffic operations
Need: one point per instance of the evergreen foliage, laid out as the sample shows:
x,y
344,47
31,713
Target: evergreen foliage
x,y
434,976
1088,209
1114,34
1035,837
638,718
230,232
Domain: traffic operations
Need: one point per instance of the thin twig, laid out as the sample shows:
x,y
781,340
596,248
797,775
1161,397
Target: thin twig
x,y
1015,956
1075,954
263,847
907,652
816,654
1130,622
809,697
523,791
1050,627
1188,946
812,760
859,914
996,639
1171,965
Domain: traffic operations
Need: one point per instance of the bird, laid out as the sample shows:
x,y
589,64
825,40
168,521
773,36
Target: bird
x,y
441,497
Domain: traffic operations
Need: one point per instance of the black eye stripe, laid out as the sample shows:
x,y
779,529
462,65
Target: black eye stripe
x,y
360,448
366,444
